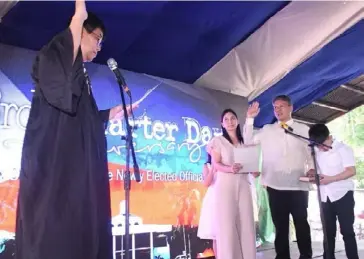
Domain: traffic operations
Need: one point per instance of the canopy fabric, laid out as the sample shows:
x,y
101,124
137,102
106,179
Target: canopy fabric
x,y
5,6
337,63
254,49
283,42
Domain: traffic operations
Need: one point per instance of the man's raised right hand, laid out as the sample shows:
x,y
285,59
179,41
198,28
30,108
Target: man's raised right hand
x,y
253,110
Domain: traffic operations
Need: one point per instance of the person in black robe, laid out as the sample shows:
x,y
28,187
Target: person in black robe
x,y
64,197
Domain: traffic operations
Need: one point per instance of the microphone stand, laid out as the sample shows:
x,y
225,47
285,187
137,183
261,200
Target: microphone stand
x,y
317,181
127,181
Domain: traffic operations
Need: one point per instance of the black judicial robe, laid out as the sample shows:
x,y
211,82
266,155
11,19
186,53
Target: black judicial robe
x,y
64,198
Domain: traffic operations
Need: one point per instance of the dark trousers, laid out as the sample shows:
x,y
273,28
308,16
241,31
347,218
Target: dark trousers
x,y
343,210
282,204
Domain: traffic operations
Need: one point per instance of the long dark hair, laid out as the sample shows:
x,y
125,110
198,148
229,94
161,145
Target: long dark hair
x,y
238,132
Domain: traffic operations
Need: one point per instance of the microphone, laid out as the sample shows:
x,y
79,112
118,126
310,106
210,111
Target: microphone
x,y
111,63
286,127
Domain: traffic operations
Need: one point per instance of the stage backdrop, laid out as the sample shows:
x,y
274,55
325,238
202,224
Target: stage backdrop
x,y
174,123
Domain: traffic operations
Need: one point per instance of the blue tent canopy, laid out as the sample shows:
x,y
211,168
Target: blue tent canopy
x,y
184,40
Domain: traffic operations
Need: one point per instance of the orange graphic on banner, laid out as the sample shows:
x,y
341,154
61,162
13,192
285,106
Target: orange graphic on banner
x,y
159,202
154,201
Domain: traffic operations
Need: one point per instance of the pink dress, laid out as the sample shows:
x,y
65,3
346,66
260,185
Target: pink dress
x,y
235,228
206,226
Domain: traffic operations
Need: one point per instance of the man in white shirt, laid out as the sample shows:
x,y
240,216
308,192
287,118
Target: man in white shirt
x,y
336,167
285,159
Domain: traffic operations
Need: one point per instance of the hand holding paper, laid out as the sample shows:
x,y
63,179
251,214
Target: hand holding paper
x,y
248,157
236,168
310,177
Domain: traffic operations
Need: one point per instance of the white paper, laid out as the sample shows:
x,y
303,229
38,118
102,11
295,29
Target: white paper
x,y
248,157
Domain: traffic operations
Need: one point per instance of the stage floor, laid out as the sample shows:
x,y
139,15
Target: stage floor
x,y
267,251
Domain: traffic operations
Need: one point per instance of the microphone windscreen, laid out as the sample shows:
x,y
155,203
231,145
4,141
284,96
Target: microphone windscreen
x,y
112,64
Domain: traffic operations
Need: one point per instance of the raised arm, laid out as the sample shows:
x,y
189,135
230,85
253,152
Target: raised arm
x,y
76,25
58,68
248,130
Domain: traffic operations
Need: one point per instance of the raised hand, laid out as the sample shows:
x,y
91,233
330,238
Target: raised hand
x,y
76,25
253,110
80,9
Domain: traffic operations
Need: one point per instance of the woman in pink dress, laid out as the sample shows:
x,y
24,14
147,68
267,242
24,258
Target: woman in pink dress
x,y
235,228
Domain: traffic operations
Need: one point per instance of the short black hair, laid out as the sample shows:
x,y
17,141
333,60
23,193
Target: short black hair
x,y
319,133
284,98
92,23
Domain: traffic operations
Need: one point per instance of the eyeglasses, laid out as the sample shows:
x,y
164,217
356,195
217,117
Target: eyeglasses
x,y
98,38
